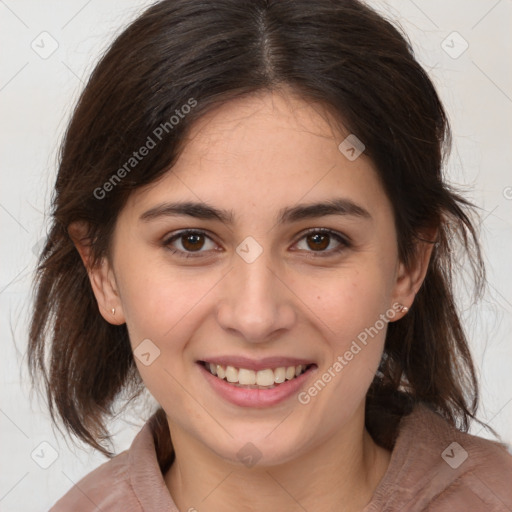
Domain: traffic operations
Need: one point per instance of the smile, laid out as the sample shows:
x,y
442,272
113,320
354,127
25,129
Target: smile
x,y
264,385
267,378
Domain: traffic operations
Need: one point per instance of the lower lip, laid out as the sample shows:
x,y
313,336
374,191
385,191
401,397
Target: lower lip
x,y
247,397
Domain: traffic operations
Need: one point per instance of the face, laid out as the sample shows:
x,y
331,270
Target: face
x,y
264,281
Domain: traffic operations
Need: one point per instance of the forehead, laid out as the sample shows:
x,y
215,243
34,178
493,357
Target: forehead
x,y
263,152
263,112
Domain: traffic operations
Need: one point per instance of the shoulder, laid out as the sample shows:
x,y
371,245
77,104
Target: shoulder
x,y
106,488
482,474
130,482
438,468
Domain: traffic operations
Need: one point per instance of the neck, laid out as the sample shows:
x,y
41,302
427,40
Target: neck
x,y
341,473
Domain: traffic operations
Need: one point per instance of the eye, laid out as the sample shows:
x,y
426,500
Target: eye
x,y
192,241
320,238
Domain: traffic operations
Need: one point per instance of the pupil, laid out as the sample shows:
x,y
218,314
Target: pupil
x,y
187,241
320,238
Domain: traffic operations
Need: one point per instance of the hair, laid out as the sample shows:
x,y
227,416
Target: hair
x,y
337,53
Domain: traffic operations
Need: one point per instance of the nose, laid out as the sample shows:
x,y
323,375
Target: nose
x,y
255,301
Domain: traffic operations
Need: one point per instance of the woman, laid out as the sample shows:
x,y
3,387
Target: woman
x,y
250,220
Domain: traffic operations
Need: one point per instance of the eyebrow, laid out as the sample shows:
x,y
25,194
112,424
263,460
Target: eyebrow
x,y
336,206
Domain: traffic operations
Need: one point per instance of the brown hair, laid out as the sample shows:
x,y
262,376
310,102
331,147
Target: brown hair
x,y
339,53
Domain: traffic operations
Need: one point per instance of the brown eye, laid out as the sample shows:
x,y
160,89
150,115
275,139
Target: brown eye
x,y
318,240
191,241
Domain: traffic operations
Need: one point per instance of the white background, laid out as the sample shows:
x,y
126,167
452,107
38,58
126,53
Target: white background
x,y
36,97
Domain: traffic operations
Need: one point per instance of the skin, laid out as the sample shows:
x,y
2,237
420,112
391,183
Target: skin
x,y
254,156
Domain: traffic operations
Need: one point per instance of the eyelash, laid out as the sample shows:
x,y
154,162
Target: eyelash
x,y
344,243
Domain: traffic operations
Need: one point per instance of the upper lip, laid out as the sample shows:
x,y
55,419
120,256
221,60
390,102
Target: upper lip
x,y
257,364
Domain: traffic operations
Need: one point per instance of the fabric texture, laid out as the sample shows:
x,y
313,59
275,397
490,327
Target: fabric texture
x,y
433,467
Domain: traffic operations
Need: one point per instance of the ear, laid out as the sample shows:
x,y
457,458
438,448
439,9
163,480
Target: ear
x,y
410,278
101,276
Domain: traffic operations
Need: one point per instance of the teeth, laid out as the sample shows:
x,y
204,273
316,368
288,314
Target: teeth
x,y
280,375
265,378
221,372
246,377
231,374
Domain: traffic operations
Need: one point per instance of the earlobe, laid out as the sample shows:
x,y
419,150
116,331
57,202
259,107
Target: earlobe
x,y
105,290
410,277
101,276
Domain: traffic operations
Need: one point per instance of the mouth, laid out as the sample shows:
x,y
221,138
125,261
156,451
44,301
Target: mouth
x,y
262,379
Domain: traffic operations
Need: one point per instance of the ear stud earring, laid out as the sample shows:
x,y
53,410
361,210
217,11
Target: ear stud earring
x,y
114,311
404,309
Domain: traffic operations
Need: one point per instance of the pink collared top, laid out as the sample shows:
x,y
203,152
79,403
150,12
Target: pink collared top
x,y
434,467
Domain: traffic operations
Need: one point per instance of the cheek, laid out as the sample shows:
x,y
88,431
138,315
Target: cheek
x,y
164,308
353,313
349,301
156,296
